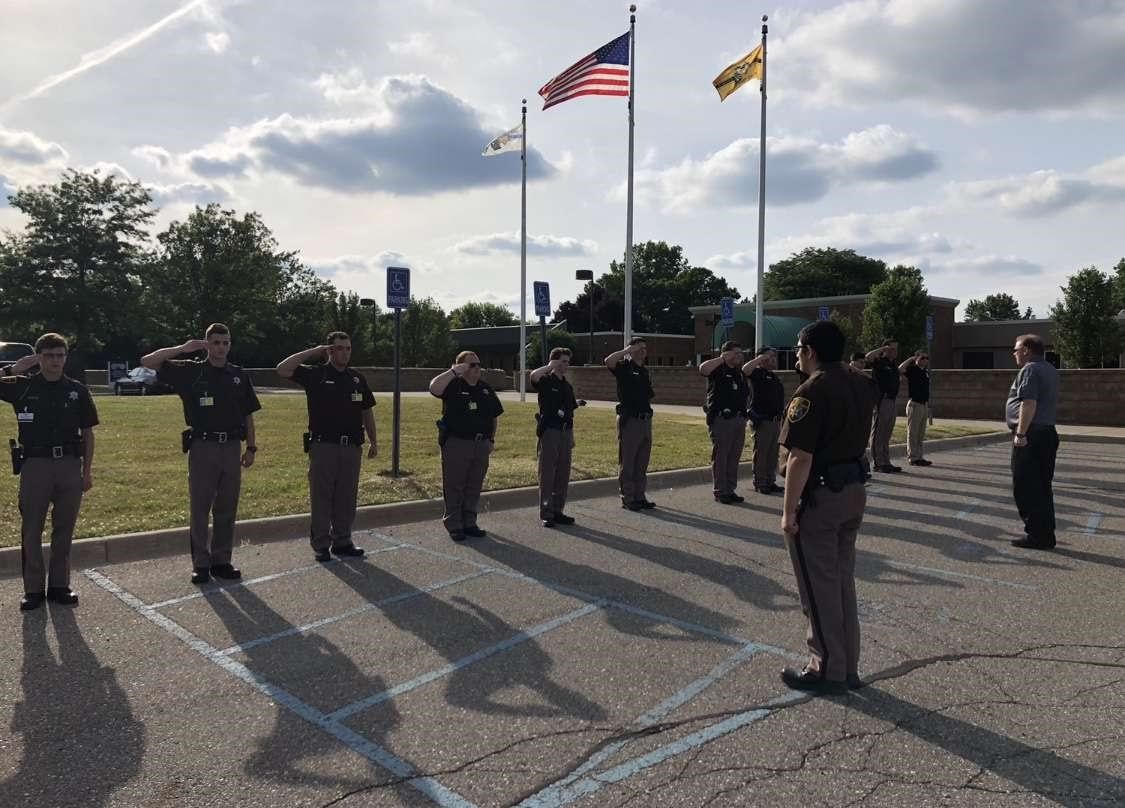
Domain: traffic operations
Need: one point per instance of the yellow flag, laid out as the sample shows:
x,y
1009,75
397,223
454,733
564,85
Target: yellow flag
x,y
746,68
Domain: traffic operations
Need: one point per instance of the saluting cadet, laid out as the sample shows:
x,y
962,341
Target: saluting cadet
x,y
339,402
728,395
825,431
467,436
886,375
56,418
916,369
555,430
219,405
768,401
634,422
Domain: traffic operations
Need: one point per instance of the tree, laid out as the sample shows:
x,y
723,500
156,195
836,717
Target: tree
x,y
852,328
77,266
1119,285
824,272
481,315
426,342
1000,306
218,266
556,338
1086,330
1027,313
665,284
897,310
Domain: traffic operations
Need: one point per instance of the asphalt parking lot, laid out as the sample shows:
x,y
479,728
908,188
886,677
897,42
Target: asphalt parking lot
x,y
630,659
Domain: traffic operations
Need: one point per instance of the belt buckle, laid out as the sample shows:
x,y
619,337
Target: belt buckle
x,y
478,436
222,436
56,452
345,440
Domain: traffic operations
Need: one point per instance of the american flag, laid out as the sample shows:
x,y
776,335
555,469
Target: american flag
x,y
603,72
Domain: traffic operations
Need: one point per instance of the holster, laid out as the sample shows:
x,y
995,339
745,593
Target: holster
x,y
442,432
17,456
306,441
835,477
185,440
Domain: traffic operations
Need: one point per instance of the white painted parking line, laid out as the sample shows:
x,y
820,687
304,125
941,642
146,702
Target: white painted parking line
x,y
1092,524
353,740
505,645
964,575
586,786
970,506
367,607
211,592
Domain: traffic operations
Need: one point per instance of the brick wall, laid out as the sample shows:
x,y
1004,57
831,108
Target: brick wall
x,y
380,379
1086,396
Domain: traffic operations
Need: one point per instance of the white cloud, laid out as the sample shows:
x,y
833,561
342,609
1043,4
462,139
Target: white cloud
x,y
798,170
545,245
419,139
989,266
1046,192
960,56
26,148
217,41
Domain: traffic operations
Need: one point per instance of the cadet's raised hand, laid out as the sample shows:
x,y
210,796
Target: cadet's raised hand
x,y
460,369
24,364
193,345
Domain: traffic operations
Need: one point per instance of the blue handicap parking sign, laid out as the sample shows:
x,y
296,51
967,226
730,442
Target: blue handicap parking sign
x,y
398,288
726,307
542,299
822,312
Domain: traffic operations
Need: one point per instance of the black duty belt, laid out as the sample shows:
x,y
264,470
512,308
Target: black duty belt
x,y
218,437
55,452
640,416
343,440
471,435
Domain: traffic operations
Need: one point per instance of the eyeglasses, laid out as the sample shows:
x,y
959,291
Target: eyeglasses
x,y
802,348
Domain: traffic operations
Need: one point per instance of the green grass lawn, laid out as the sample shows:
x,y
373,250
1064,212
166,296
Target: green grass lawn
x,y
140,475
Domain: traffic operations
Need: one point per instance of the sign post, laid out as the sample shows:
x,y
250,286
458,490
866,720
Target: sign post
x,y
726,316
930,353
543,310
398,298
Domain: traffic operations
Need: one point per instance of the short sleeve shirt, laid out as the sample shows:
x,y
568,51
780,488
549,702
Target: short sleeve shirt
x,y
769,393
1036,381
215,399
336,400
556,400
49,413
727,390
918,384
470,409
634,387
886,375
830,414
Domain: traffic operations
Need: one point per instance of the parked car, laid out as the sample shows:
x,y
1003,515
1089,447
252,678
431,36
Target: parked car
x,y
10,352
140,382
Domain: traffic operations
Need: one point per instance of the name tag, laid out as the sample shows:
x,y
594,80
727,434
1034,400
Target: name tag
x,y
472,405
25,417
562,414
357,397
206,401
734,386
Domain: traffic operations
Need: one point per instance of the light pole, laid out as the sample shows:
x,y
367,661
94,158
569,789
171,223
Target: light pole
x,y
396,409
588,275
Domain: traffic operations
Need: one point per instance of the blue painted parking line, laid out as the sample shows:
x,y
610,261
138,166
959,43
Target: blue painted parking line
x,y
367,607
210,592
353,740
505,645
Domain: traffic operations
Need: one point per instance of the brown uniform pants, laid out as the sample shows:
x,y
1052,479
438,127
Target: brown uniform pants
x,y
823,555
881,430
556,446
765,452
634,446
464,462
728,437
55,485
916,414
214,483
333,491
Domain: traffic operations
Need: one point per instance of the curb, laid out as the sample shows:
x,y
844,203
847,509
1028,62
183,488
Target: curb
x,y
125,547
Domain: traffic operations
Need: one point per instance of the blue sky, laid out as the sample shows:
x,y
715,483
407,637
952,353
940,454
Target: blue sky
x,y
979,141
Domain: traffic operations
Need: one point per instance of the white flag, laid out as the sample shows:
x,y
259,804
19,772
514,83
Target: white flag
x,y
512,140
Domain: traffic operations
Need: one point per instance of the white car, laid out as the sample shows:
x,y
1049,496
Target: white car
x,y
140,381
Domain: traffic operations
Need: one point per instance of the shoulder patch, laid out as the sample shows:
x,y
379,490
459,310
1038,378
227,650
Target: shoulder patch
x,y
798,409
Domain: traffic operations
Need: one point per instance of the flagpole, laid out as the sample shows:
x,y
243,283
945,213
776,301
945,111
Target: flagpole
x,y
523,256
627,327
759,309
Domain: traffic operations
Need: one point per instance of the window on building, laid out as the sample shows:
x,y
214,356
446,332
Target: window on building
x,y
978,360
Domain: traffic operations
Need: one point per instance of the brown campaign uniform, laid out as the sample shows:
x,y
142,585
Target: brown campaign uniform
x,y
765,417
468,414
828,417
555,430
216,402
51,417
336,402
728,395
634,429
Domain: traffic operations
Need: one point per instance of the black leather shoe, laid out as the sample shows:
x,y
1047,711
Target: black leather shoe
x,y
547,522
736,498
563,519
349,550
889,469
457,535
811,682
31,600
1033,544
201,575
727,499
475,532
62,595
920,463
647,505
854,682
633,506
323,556
227,572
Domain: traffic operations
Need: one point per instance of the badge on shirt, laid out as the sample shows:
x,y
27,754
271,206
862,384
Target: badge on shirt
x,y
237,380
357,397
206,401
798,409
734,386
562,414
472,405
25,417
